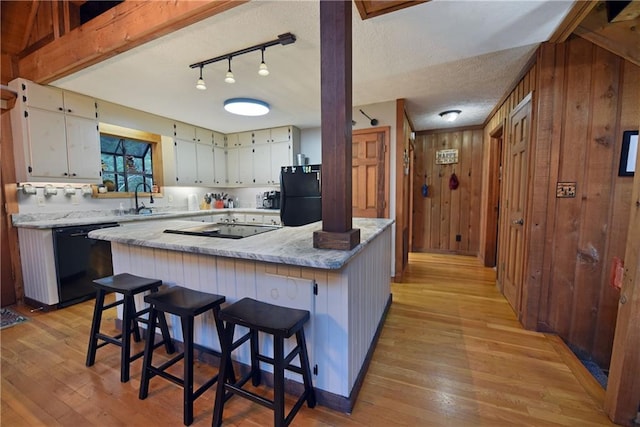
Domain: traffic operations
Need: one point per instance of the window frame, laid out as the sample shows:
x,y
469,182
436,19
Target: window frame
x,y
153,139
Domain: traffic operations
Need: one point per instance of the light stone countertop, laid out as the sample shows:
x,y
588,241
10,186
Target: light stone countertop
x,y
287,245
73,218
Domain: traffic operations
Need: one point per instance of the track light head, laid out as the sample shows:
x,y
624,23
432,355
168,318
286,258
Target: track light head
x,y
228,78
262,69
200,84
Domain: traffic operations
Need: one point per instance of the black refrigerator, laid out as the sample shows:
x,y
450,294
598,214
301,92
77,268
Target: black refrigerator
x,y
300,195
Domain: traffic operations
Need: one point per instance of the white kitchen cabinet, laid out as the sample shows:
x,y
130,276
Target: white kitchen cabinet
x,y
270,150
271,218
262,164
194,163
254,219
219,139
187,132
220,165
262,136
281,155
55,135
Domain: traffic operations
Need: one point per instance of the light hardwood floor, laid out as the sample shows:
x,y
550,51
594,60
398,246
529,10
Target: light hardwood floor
x,y
451,353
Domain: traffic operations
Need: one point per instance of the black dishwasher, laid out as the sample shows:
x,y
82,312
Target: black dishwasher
x,y
80,260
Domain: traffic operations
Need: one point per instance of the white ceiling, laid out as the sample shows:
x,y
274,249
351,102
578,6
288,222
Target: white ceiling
x,y
438,55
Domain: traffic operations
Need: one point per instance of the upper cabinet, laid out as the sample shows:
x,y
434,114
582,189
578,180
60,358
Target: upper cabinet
x,y
258,162
194,155
55,135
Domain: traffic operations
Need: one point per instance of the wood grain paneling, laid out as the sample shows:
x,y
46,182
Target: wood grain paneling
x,y
445,214
587,98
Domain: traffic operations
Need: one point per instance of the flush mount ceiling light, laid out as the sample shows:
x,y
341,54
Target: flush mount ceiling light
x,y
450,115
246,106
200,84
283,39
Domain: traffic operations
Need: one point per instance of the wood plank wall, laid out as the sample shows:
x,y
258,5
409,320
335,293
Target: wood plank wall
x,y
444,213
587,98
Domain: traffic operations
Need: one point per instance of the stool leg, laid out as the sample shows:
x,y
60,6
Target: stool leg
x,y
278,381
306,370
133,315
226,342
164,329
95,328
126,338
187,337
220,329
147,359
256,376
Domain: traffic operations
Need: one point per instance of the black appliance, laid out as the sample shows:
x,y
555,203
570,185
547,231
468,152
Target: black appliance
x,y
300,195
222,230
80,260
271,200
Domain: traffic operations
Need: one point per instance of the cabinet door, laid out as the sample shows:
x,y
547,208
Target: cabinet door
x,y
186,160
83,148
262,136
281,155
220,165
245,165
79,105
47,144
218,139
45,97
204,135
253,219
183,131
233,140
262,164
204,153
233,176
281,134
245,139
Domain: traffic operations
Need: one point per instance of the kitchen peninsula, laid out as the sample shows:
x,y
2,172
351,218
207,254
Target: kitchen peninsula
x,y
347,292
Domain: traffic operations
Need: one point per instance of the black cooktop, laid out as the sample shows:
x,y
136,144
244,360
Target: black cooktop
x,y
223,230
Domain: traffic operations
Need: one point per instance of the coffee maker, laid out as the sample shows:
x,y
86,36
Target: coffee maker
x,y
271,200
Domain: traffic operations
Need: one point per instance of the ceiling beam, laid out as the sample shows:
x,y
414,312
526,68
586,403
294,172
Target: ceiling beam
x,y
576,15
33,10
621,38
127,25
618,11
372,8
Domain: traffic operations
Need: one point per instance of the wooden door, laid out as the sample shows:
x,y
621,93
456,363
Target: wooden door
x,y
514,203
368,174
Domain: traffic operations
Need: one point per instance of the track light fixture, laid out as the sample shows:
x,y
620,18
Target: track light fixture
x,y
262,69
283,39
200,84
228,78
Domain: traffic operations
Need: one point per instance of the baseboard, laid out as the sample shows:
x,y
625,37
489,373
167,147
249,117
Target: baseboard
x,y
39,306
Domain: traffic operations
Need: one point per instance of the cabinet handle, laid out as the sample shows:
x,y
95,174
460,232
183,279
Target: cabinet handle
x,y
65,174
60,109
69,110
73,174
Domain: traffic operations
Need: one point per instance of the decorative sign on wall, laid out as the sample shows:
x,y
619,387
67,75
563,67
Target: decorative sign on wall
x,y
447,157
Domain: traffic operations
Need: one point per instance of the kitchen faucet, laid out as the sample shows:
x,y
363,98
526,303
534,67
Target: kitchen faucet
x,y
139,208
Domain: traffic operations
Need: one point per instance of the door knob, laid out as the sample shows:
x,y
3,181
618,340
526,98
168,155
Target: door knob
x,y
518,221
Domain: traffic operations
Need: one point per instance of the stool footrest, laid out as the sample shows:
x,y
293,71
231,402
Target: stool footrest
x,y
113,304
249,395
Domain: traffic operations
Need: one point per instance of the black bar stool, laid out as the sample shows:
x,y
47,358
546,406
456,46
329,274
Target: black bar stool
x,y
129,286
187,304
281,322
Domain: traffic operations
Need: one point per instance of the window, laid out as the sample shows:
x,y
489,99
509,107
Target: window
x,y
130,160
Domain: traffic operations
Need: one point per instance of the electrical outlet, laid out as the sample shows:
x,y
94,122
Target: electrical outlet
x,y
74,199
170,198
40,200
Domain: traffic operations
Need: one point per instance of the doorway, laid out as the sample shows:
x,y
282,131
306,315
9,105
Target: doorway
x,y
493,197
370,173
514,196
